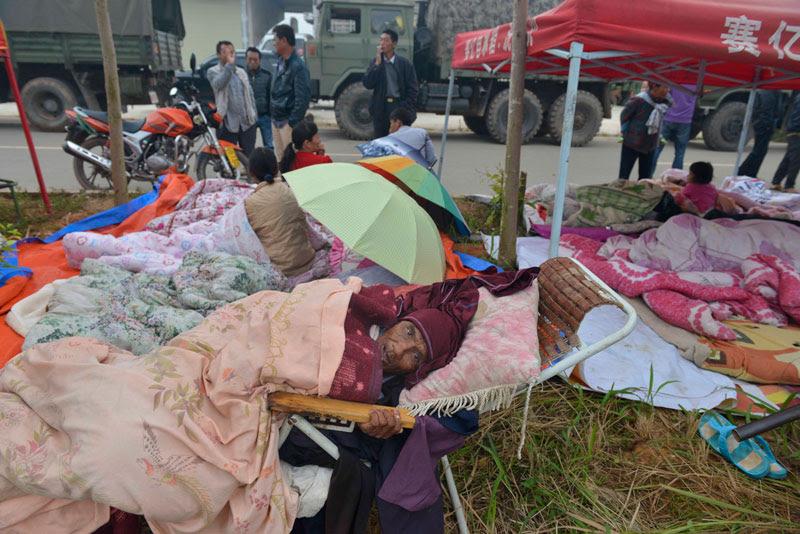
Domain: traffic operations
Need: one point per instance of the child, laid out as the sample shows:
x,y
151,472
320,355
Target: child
x,y
699,195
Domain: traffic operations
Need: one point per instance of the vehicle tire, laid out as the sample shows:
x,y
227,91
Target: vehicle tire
x,y
210,166
352,112
46,100
497,116
588,118
476,124
722,128
91,176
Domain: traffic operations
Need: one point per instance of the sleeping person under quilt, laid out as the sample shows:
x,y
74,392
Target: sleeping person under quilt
x,y
183,434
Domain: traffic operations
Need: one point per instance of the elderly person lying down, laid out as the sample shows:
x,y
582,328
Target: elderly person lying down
x,y
183,434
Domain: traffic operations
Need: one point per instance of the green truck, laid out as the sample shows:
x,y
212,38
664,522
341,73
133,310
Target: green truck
x,y
346,33
58,62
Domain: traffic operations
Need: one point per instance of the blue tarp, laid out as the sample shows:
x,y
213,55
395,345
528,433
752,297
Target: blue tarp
x,y
12,269
476,264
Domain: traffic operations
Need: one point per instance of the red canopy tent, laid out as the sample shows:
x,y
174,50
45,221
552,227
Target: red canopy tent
x,y
5,55
724,43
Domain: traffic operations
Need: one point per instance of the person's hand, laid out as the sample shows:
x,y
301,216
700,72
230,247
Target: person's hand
x,y
380,55
231,57
383,423
321,150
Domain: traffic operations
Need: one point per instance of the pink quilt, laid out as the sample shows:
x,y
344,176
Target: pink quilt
x,y
696,273
181,435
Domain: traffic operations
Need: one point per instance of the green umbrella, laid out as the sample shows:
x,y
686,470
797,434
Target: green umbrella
x,y
420,181
373,217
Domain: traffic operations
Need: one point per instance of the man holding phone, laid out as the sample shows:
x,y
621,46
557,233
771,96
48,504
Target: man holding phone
x,y
234,99
393,83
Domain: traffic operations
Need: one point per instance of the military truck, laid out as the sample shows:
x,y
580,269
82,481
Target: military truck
x,y
720,116
346,34
58,61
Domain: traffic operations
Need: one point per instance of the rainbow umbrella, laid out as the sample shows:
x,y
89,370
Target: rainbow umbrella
x,y
373,217
419,181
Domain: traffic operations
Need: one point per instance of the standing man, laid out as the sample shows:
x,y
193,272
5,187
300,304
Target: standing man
x,y
393,83
790,164
234,99
291,90
641,125
677,125
767,116
261,82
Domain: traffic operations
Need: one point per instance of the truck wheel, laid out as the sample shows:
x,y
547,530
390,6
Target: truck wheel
x,y
477,125
588,117
46,100
352,112
497,116
722,128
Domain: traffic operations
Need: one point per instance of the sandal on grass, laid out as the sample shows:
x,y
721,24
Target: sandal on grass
x,y
776,470
718,432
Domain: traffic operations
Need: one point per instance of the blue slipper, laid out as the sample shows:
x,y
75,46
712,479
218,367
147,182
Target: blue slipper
x,y
776,470
745,455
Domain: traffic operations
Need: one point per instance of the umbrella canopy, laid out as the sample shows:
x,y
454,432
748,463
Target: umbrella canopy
x,y
420,181
373,217
387,146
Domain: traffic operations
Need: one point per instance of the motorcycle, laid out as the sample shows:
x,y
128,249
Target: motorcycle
x,y
168,138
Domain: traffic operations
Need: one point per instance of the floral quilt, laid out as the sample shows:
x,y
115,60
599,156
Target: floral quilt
x,y
139,312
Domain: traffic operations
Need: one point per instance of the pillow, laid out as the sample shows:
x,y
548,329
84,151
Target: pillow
x,y
499,353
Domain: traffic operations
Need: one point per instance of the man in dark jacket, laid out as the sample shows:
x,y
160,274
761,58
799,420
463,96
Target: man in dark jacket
x,y
790,164
767,115
260,81
291,90
393,83
641,125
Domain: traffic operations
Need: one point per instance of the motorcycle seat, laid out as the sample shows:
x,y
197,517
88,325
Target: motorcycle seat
x,y
127,126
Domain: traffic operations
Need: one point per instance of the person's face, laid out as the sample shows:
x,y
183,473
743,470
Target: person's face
x,y
403,349
253,61
387,46
659,91
394,125
690,178
225,53
281,46
314,145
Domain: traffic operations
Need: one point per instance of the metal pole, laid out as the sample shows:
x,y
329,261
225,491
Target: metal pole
x,y
458,508
748,115
575,54
450,86
245,33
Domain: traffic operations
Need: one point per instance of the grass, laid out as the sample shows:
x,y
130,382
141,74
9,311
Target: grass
x,y
599,463
67,208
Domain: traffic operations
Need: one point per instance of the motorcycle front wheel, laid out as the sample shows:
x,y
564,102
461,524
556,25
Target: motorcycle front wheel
x,y
91,176
210,166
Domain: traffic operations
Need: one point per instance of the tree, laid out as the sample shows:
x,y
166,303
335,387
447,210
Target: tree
x,y
117,150
507,253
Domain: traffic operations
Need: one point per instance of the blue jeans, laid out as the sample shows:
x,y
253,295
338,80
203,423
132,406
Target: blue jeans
x,y
678,133
265,125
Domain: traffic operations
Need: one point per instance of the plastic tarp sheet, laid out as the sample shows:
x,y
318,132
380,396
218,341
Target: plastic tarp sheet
x,y
128,17
733,38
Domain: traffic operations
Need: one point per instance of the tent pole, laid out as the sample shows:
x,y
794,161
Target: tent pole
x,y
748,115
450,86
12,80
575,54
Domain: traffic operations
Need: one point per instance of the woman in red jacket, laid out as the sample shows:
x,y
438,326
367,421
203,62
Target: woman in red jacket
x,y
306,148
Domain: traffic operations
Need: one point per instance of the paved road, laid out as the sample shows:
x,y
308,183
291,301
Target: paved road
x,y
468,159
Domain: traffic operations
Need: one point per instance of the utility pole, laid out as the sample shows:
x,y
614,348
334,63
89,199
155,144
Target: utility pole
x,y
507,253
118,174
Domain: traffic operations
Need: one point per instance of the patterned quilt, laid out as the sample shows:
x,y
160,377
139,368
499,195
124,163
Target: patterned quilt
x,y
696,273
139,312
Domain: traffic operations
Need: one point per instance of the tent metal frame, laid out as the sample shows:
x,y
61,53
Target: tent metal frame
x,y
621,62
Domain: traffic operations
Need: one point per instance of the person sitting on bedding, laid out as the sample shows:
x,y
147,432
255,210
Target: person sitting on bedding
x,y
699,195
276,218
306,149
